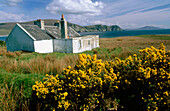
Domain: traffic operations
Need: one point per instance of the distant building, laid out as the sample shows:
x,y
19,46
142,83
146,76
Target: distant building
x,y
46,39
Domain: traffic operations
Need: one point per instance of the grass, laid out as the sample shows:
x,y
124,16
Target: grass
x,y
160,37
37,65
19,70
16,89
26,80
4,31
52,63
136,42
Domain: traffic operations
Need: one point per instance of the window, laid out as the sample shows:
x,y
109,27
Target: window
x,y
79,44
88,42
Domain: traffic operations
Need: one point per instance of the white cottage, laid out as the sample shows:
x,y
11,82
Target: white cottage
x,y
46,39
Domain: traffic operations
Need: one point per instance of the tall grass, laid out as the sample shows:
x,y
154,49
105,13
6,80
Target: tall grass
x,y
3,52
38,65
16,90
110,48
11,98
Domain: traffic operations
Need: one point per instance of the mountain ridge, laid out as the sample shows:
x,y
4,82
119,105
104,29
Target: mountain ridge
x,y
5,28
147,28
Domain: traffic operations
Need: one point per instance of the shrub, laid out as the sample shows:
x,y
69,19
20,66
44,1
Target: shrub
x,y
2,51
144,81
84,87
132,39
10,54
119,39
95,51
125,54
140,83
2,43
18,53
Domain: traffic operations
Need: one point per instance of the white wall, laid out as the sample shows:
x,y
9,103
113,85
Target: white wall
x,y
81,44
63,45
43,46
19,40
96,41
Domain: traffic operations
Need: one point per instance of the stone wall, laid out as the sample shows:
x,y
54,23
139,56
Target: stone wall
x,y
63,45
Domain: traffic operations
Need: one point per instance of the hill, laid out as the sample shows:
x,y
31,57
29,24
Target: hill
x,y
5,28
102,28
149,28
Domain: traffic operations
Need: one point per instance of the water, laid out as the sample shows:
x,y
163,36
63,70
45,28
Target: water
x,y
3,38
111,34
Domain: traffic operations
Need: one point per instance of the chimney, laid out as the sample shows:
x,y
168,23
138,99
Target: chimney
x,y
39,23
57,24
64,33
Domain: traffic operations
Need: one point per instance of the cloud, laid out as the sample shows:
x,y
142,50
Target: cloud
x,y
138,19
79,7
157,7
133,13
6,17
97,22
125,13
14,2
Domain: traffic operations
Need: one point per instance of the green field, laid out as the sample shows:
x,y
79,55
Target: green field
x,y
160,37
4,32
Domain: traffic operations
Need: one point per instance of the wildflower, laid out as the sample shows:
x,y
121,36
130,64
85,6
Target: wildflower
x,y
69,67
46,75
138,79
52,91
166,93
33,87
96,75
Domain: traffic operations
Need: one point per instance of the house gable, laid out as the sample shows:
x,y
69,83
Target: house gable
x,y
19,39
26,32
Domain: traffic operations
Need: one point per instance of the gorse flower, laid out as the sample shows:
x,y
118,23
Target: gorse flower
x,y
93,84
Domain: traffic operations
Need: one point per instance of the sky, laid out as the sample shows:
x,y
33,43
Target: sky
x,y
127,14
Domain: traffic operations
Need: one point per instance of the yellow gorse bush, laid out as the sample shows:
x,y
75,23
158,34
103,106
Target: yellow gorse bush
x,y
138,82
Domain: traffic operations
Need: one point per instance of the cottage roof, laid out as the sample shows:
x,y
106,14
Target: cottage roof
x,y
36,32
50,32
72,32
54,31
